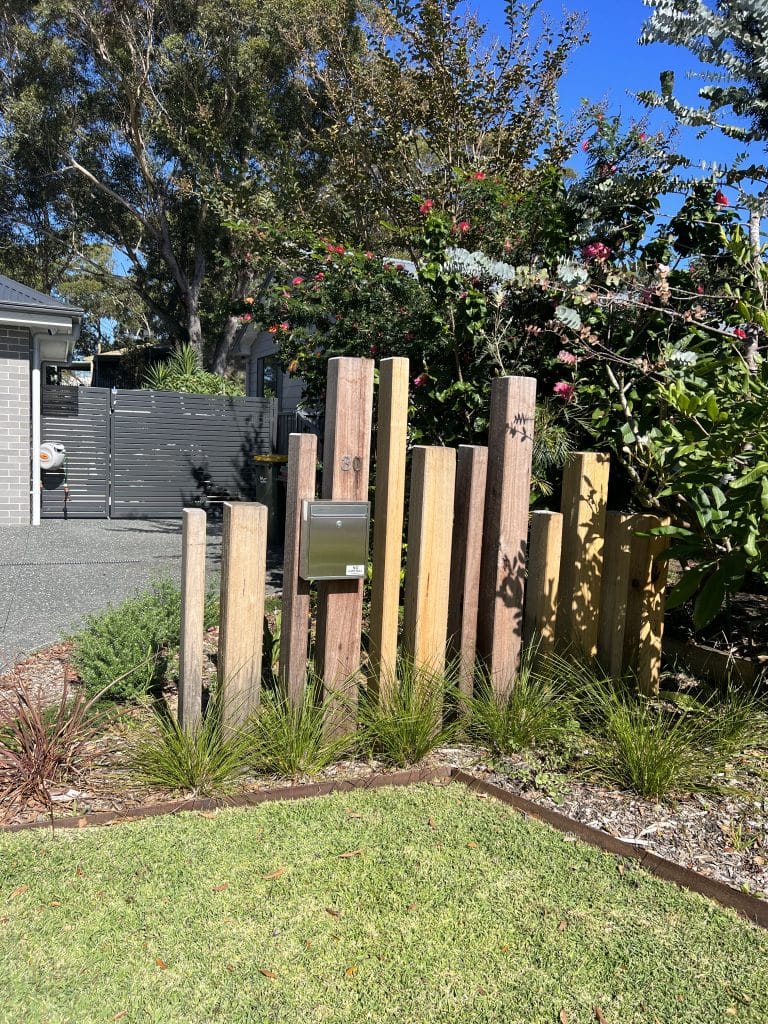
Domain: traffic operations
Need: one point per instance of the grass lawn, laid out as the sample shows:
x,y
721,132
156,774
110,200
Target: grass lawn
x,y
450,908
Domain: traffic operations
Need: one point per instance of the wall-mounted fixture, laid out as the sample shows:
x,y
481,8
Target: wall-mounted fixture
x,y
334,540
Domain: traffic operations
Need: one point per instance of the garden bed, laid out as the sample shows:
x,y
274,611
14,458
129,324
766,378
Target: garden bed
x,y
420,904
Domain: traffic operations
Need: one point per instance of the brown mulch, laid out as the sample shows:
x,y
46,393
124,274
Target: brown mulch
x,y
44,672
724,837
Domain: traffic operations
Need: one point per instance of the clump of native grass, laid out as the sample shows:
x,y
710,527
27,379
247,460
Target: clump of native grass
x,y
204,759
408,715
537,712
293,739
660,746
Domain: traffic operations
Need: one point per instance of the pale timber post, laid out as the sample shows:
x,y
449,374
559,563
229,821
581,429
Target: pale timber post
x,y
294,624
505,529
346,463
241,629
388,512
541,594
468,512
428,570
584,503
645,602
193,523
614,591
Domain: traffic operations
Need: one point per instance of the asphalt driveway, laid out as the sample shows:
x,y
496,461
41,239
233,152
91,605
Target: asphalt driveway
x,y
54,575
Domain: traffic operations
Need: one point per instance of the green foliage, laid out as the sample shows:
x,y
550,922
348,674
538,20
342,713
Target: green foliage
x,y
201,761
183,371
537,713
660,747
291,740
126,648
409,717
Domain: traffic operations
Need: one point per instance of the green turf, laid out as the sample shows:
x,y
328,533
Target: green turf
x,y
457,909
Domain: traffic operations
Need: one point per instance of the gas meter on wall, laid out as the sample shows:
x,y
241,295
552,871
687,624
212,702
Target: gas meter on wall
x,y
52,455
334,540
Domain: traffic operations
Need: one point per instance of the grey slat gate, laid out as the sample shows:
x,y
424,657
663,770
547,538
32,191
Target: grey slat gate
x,y
173,450
79,419
150,454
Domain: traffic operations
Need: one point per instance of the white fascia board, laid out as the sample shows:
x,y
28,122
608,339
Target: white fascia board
x,y
37,322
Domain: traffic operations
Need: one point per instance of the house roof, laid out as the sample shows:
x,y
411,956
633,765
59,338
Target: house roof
x,y
15,296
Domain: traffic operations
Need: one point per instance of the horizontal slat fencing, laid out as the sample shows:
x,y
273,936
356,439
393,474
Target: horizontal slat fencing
x,y
172,450
79,419
469,565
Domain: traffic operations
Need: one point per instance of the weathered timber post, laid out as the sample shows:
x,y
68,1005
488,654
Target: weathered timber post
x,y
388,512
294,625
468,512
346,464
505,528
584,501
241,629
193,523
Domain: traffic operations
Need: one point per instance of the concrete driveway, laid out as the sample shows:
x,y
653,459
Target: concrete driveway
x,y
54,575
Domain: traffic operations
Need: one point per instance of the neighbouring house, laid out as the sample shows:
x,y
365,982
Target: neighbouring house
x,y
265,378
35,330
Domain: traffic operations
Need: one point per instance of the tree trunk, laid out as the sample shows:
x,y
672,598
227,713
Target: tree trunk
x,y
195,330
224,345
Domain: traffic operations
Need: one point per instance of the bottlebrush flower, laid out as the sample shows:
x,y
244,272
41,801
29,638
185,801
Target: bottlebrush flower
x,y
596,251
564,390
740,333
721,199
479,176
298,280
567,357
426,206
421,380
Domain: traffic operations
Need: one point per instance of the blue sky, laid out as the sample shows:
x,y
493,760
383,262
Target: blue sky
x,y
612,65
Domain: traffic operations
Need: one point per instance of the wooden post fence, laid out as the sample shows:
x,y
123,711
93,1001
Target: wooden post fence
x,y
468,512
585,494
614,591
294,624
430,526
543,581
241,627
645,602
505,528
346,463
388,510
193,522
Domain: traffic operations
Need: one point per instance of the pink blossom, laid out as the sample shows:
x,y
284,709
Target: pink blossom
x,y
479,176
369,255
567,357
246,319
564,390
273,328
596,251
340,249
720,198
463,225
320,276
700,289
643,137
421,380
298,280
426,206
740,333
585,145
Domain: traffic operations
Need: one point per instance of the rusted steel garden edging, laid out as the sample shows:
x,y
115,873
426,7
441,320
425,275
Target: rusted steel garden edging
x,y
299,792
744,904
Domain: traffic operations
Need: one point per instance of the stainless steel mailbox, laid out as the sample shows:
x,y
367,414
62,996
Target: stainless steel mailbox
x,y
334,539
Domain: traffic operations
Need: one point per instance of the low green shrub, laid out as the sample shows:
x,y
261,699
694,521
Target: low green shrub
x,y
127,647
203,760
537,713
292,740
410,716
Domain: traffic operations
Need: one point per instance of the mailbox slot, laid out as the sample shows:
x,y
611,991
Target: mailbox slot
x,y
334,540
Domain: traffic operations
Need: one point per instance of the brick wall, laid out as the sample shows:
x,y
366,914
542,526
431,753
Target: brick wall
x,y
14,426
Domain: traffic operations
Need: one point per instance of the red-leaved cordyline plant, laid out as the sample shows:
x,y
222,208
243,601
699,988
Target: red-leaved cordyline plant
x,y
43,743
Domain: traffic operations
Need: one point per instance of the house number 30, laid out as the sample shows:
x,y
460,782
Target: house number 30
x,y
351,462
